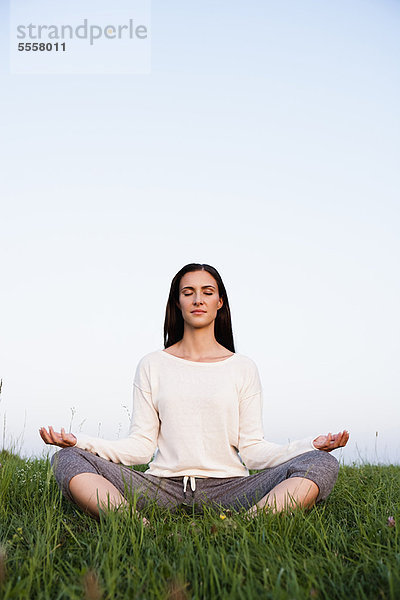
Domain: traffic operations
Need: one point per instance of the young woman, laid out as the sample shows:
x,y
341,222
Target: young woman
x,y
198,404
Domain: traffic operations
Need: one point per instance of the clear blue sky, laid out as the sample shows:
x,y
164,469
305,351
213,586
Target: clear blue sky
x,y
265,141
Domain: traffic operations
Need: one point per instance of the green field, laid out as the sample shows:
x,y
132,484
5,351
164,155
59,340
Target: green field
x,y
346,547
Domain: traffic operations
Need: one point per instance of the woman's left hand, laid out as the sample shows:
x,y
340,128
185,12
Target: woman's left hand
x,y
331,441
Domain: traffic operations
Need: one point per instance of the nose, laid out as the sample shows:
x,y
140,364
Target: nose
x,y
197,299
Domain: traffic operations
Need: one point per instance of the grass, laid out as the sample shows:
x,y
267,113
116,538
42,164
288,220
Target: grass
x,y
343,548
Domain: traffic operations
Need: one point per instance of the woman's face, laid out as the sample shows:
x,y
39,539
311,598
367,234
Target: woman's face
x,y
198,291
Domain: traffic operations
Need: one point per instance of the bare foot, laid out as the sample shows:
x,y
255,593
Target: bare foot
x,y
123,507
145,522
255,511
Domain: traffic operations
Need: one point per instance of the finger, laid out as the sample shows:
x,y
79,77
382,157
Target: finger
x,y
342,440
57,439
54,434
340,437
320,442
47,436
345,438
333,441
68,438
44,435
337,438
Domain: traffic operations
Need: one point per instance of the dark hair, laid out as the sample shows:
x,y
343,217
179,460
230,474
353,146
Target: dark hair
x,y
173,323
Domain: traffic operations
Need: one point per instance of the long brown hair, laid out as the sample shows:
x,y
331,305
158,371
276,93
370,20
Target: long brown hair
x,y
173,323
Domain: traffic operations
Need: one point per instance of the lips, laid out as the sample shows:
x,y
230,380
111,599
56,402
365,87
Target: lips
x,y
198,311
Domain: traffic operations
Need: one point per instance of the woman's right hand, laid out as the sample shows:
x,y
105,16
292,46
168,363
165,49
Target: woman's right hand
x,y
64,440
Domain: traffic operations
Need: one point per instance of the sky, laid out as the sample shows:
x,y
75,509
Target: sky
x,y
263,140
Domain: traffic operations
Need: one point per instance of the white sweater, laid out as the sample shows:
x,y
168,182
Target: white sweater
x,y
199,416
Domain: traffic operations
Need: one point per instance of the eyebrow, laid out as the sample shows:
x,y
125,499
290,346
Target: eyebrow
x,y
189,287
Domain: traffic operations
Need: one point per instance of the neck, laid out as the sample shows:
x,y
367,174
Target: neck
x,y
199,343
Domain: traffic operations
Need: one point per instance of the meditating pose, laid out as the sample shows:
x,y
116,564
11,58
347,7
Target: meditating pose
x,y
197,409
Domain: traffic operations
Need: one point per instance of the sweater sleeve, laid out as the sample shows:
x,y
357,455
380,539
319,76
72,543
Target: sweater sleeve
x,y
255,451
138,448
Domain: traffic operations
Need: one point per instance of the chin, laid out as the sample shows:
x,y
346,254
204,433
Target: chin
x,y
200,320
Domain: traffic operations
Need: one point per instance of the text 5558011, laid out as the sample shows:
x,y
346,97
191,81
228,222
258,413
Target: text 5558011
x,y
41,47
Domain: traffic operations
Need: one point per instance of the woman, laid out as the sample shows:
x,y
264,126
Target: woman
x,y
198,404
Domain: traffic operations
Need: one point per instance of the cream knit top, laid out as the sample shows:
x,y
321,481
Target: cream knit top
x,y
197,416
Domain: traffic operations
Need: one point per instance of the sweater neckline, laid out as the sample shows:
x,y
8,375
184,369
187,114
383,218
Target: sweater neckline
x,y
197,362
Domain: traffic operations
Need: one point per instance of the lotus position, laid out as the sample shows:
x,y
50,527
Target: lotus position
x,y
197,416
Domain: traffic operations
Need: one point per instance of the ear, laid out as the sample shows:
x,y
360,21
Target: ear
x,y
220,303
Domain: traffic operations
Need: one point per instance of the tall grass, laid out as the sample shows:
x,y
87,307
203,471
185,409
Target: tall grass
x,y
346,547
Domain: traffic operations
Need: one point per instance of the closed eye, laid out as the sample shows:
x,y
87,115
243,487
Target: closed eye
x,y
207,294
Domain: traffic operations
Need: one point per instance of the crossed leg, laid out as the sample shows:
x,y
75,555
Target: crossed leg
x,y
93,492
291,493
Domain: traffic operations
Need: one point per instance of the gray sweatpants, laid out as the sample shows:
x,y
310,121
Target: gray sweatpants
x,y
219,493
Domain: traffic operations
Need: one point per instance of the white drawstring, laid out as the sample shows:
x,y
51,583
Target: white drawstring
x,y
192,483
